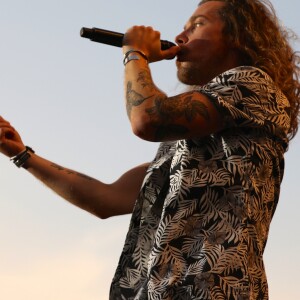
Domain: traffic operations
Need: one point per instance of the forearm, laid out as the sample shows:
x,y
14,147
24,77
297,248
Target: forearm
x,y
141,46
101,199
140,90
74,187
141,96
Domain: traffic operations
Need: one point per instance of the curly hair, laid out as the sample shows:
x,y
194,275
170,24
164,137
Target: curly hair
x,y
253,28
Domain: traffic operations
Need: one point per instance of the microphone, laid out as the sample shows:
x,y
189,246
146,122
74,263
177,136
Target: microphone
x,y
112,38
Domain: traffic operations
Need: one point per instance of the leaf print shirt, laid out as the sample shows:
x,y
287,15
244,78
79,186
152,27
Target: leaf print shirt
x,y
201,221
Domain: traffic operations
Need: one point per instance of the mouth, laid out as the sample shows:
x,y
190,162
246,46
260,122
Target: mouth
x,y
181,54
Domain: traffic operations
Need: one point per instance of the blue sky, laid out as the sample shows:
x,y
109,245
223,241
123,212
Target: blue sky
x,y
65,96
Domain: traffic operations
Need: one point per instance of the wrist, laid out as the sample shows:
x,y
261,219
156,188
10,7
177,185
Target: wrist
x,y
20,159
133,54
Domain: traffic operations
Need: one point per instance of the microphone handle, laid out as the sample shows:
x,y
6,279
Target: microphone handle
x,y
112,38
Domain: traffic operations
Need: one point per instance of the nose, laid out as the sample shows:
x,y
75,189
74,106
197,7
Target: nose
x,y
181,38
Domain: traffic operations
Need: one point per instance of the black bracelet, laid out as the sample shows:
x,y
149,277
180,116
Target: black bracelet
x,y
20,159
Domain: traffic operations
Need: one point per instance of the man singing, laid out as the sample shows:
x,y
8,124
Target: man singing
x,y
201,210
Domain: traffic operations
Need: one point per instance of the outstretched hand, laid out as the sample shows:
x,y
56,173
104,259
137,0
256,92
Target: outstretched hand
x,y
10,141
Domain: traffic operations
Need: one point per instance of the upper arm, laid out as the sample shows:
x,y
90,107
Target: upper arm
x,y
188,115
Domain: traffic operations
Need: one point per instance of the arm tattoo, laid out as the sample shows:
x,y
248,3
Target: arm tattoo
x,y
145,79
175,107
133,98
165,112
59,168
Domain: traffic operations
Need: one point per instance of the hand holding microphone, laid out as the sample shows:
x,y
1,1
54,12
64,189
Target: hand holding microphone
x,y
113,38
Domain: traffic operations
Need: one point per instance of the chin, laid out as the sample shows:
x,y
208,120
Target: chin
x,y
188,78
192,75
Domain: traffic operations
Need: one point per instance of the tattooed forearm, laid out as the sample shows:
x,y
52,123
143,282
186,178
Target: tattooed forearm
x,y
144,78
59,168
133,98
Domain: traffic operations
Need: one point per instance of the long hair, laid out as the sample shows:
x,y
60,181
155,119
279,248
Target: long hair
x,y
253,28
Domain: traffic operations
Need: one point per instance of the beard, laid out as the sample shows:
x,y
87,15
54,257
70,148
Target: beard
x,y
190,73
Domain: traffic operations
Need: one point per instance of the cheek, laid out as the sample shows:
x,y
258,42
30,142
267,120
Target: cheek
x,y
205,48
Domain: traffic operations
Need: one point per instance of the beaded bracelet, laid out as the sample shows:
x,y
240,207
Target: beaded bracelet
x,y
20,159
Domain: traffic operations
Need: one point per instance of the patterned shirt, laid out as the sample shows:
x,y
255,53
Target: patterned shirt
x,y
201,221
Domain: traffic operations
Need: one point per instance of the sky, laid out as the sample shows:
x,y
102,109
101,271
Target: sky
x,y
64,94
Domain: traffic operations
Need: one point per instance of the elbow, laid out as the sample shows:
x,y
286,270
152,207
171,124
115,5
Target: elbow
x,y
101,214
143,128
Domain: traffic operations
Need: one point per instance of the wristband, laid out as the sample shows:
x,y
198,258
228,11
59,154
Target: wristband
x,y
128,57
20,159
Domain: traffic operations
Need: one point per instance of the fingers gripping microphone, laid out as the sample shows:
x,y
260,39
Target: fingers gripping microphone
x,y
112,38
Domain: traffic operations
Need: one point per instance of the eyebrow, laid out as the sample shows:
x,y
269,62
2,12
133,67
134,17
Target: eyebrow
x,y
194,18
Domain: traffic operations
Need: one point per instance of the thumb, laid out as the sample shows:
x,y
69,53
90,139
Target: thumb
x,y
171,52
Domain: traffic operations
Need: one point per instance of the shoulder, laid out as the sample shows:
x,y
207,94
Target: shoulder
x,y
242,75
244,83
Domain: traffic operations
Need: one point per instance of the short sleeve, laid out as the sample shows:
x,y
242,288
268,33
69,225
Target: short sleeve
x,y
248,97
